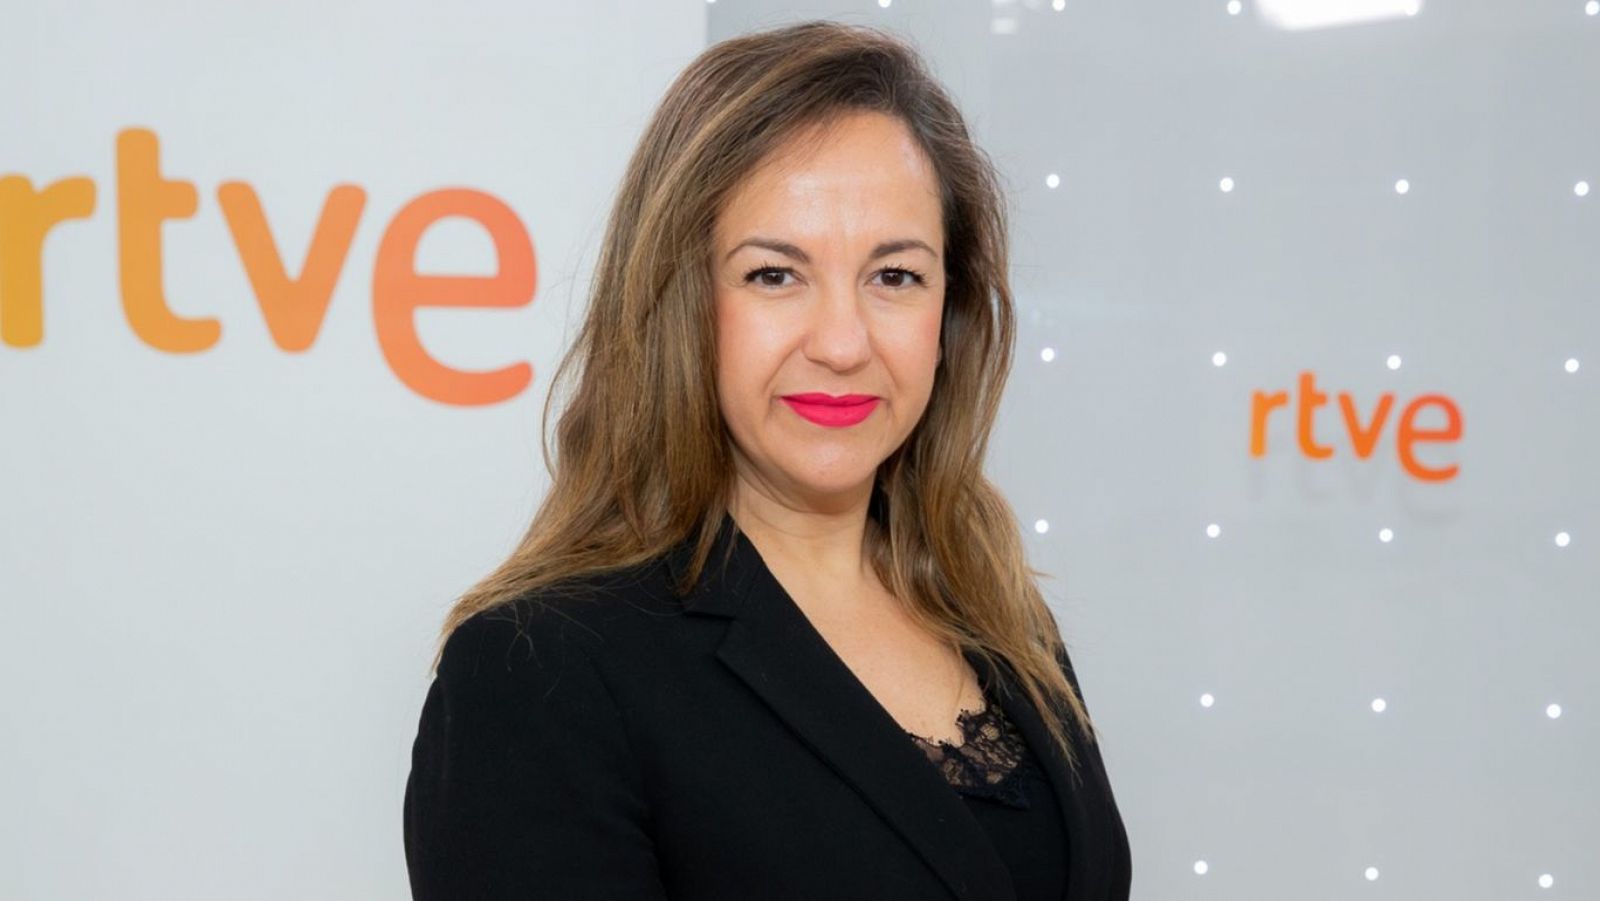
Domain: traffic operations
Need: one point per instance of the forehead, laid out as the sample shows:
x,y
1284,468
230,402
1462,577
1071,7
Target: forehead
x,y
859,175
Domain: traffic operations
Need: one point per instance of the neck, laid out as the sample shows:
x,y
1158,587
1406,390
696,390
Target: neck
x,y
818,557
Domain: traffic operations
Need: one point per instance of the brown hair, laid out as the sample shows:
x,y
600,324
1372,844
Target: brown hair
x,y
643,455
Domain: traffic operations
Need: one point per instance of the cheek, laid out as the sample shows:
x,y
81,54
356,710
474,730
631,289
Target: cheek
x,y
931,326
916,361
742,361
915,342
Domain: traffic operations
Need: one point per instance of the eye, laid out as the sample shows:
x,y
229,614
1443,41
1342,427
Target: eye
x,y
899,273
764,272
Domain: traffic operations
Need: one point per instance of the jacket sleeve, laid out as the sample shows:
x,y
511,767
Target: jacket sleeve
x,y
522,783
1119,864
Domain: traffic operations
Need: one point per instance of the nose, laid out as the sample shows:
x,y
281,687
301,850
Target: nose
x,y
839,334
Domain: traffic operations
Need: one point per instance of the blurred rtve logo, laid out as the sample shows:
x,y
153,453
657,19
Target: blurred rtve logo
x,y
293,307
1363,435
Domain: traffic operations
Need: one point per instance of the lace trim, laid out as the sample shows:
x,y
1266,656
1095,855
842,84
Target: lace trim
x,y
990,759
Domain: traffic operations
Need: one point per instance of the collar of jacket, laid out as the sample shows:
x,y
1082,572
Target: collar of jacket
x,y
775,650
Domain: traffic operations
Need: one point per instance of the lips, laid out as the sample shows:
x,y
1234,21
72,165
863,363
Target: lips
x,y
830,410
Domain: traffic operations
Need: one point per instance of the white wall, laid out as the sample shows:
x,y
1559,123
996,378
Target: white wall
x,y
221,571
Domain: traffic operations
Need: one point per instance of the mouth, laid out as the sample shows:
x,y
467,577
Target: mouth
x,y
830,410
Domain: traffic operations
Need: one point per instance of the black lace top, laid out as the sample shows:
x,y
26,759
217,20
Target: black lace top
x,y
997,774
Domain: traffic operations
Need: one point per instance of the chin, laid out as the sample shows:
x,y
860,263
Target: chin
x,y
836,480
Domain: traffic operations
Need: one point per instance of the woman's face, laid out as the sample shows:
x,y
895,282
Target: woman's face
x,y
829,272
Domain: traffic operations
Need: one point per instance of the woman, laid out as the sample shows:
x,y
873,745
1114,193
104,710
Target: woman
x,y
772,633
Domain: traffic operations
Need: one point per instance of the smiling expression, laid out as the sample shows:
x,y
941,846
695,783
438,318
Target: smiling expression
x,y
828,265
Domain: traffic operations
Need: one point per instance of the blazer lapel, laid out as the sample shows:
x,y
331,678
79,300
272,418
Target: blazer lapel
x,y
1084,881
773,647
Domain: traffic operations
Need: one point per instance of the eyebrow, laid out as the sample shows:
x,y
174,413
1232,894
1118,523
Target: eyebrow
x,y
790,250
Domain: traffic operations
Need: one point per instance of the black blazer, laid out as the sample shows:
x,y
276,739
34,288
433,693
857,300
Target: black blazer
x,y
619,744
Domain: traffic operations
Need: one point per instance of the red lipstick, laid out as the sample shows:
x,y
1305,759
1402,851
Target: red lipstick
x,y
828,410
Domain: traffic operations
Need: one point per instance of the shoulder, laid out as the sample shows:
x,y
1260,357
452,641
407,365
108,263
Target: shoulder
x,y
595,616
523,777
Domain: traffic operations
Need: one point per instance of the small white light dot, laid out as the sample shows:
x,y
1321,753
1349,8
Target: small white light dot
x,y
1048,354
1213,530
1563,539
1206,700
1052,180
1547,880
1219,359
1393,362
1372,874
1571,364
1200,867
1592,7
1041,526
1058,5
1234,6
1226,184
1379,705
1581,189
884,3
1553,711
1385,535
1402,186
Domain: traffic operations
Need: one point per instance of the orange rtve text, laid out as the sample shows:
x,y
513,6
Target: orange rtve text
x,y
292,307
1363,436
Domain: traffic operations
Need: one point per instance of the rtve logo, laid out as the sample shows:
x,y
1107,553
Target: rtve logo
x,y
293,308
1363,437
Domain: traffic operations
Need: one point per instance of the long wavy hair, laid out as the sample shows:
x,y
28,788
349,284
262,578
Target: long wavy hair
x,y
644,460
